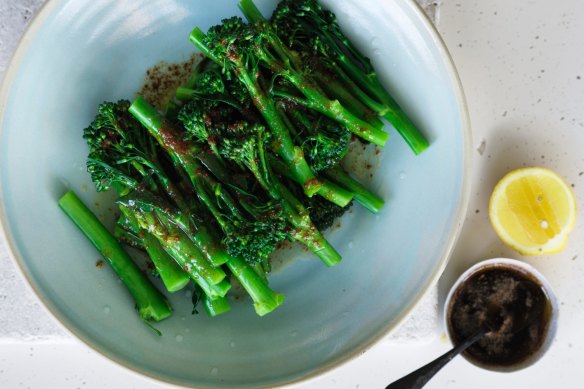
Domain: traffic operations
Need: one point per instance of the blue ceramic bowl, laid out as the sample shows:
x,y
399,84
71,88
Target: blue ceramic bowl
x,y
78,53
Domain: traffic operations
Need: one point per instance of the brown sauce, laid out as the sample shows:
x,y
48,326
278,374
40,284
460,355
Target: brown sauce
x,y
515,296
163,78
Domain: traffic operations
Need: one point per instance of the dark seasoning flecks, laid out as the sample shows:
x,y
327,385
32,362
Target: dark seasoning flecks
x,y
163,78
362,160
160,83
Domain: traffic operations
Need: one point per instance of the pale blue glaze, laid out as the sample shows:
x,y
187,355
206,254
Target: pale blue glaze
x,y
79,53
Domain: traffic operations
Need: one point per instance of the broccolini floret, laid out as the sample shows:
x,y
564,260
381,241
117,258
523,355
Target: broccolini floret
x,y
248,153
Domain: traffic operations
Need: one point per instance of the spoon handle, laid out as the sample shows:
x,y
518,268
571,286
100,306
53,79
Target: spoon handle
x,y
420,377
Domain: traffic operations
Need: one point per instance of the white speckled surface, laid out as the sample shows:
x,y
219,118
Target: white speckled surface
x,y
14,16
22,317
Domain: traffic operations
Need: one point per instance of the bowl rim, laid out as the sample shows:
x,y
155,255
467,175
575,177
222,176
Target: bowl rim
x,y
508,263
30,32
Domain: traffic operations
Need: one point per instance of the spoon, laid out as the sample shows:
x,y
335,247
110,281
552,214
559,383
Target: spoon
x,y
418,378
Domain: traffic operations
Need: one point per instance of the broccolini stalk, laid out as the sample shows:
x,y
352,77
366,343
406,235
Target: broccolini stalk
x,y
172,275
246,145
237,180
150,303
261,271
161,223
123,155
325,144
262,43
182,153
264,299
215,105
362,195
237,63
202,238
306,232
245,245
250,11
337,91
158,220
249,149
216,307
124,233
316,35
184,93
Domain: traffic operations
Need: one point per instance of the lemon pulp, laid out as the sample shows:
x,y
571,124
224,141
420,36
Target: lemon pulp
x,y
533,210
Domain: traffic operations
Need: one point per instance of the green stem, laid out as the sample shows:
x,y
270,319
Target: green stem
x,y
199,235
324,250
169,139
214,165
362,195
315,98
337,91
214,291
260,271
250,11
329,189
191,259
306,232
214,253
335,110
197,37
378,107
407,129
283,144
150,303
184,155
216,307
173,239
184,94
335,193
172,275
265,299
394,114
186,254
125,235
294,133
216,188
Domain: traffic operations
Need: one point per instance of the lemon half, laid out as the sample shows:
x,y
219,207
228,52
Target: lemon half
x,y
533,210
